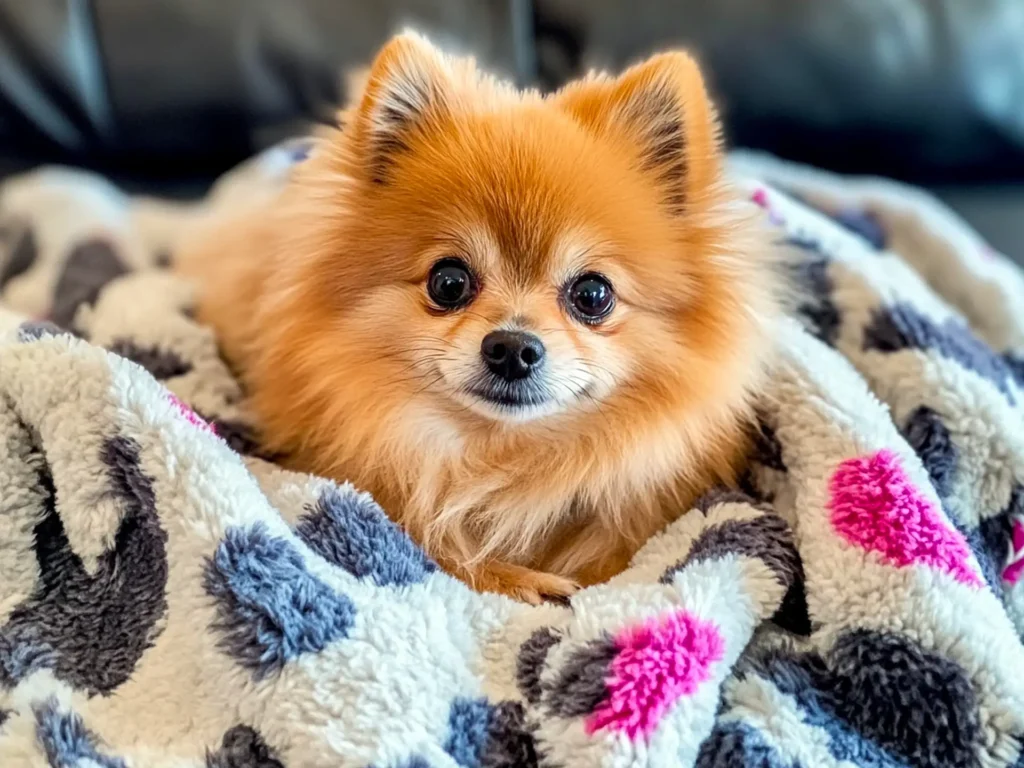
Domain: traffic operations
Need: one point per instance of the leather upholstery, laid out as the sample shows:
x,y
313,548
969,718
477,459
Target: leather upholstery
x,y
925,89
928,89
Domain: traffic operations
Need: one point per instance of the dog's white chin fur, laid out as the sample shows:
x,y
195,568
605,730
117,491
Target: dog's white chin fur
x,y
511,414
562,398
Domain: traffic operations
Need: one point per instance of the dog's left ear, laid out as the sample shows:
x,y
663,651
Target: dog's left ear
x,y
407,89
661,108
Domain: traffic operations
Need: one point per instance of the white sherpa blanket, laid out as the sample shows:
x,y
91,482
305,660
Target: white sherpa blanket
x,y
168,597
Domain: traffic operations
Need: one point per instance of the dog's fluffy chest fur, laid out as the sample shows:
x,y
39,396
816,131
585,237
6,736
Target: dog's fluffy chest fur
x,y
575,502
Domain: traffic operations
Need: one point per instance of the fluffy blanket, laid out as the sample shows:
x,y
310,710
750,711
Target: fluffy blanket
x,y
170,597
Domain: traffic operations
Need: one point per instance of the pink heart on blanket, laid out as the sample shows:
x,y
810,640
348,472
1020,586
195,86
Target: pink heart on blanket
x,y
1015,563
876,507
191,416
760,199
656,664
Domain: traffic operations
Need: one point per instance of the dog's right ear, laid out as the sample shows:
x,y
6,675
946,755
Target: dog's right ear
x,y
408,88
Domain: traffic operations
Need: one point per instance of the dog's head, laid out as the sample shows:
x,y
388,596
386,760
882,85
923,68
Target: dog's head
x,y
498,256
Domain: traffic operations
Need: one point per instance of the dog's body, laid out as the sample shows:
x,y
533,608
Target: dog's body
x,y
530,326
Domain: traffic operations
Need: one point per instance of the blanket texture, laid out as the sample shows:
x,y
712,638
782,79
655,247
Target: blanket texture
x,y
170,597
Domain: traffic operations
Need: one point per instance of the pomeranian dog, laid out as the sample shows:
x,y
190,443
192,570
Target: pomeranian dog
x,y
531,326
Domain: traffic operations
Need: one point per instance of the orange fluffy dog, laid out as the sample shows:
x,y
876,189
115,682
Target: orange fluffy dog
x,y
531,326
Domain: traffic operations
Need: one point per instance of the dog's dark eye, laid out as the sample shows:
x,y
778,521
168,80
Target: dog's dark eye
x,y
451,284
591,297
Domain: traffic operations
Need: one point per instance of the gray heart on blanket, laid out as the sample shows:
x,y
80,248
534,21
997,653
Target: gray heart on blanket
x,y
90,266
18,249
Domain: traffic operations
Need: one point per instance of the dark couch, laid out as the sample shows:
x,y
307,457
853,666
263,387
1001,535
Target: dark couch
x,y
171,92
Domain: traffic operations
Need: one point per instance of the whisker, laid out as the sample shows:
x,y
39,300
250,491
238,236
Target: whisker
x,y
429,384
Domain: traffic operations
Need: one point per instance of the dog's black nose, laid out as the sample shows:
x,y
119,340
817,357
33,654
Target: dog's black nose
x,y
512,354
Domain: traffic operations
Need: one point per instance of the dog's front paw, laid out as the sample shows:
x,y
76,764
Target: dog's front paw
x,y
520,583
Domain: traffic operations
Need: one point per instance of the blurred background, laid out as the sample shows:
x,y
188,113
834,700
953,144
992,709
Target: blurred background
x,y
164,95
